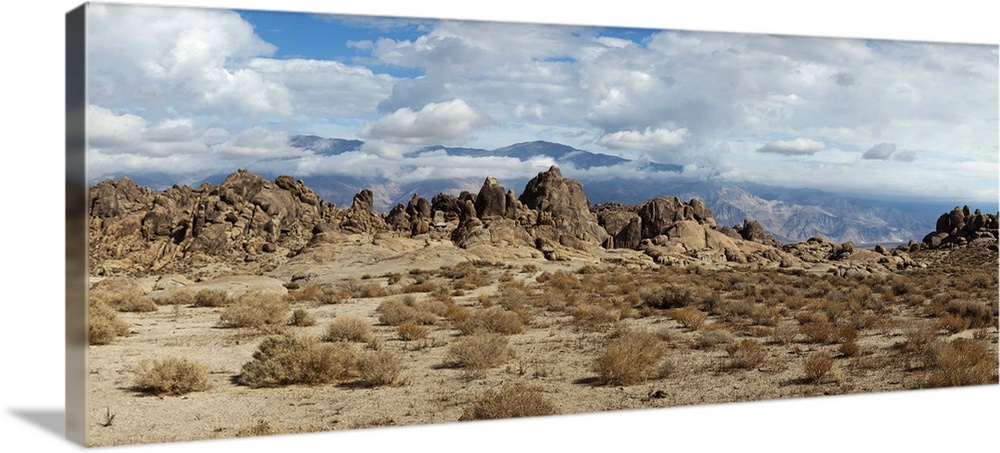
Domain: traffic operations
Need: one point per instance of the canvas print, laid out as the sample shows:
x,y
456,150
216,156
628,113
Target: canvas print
x,y
305,222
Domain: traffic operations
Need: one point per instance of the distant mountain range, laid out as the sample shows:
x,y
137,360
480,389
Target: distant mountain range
x,y
791,215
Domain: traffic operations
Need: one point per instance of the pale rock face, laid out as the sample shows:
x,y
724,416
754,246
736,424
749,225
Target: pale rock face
x,y
562,203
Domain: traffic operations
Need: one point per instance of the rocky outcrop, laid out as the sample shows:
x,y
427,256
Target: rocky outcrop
x,y
360,218
751,230
246,221
661,213
561,204
491,200
962,227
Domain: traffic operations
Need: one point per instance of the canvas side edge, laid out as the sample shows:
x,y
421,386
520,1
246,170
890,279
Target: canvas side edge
x,y
76,227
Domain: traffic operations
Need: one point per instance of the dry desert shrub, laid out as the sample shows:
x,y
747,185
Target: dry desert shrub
x,y
394,312
850,348
667,296
127,300
493,319
259,310
355,289
479,351
293,359
961,362
421,287
510,401
918,336
763,315
456,313
211,298
823,332
816,367
976,313
592,315
171,376
302,318
377,368
103,323
784,333
261,428
690,317
529,268
348,328
746,354
177,297
410,330
632,358
711,338
953,323
324,294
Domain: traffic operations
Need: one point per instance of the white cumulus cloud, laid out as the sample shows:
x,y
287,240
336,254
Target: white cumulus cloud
x,y
436,123
645,140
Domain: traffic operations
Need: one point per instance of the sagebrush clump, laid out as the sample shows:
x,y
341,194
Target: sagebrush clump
x,y
961,362
294,359
256,310
349,328
631,358
510,401
103,323
382,367
211,298
479,351
493,319
171,376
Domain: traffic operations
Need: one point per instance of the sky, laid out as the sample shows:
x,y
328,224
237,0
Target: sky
x,y
199,91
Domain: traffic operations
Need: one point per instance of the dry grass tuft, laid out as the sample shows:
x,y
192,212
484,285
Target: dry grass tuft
x,y
103,323
711,338
348,328
324,294
690,317
258,310
382,367
171,376
177,297
394,312
667,296
631,358
128,300
302,318
261,428
292,359
817,367
479,351
510,401
961,362
493,319
410,330
746,354
211,298
823,332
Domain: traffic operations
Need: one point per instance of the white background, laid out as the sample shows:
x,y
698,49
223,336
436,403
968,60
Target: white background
x,y
31,243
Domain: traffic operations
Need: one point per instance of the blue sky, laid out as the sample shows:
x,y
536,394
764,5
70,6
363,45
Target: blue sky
x,y
198,91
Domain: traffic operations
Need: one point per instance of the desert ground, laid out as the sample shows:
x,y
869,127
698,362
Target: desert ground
x,y
719,335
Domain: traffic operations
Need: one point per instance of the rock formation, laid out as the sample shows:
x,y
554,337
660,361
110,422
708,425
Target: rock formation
x,y
962,227
252,225
245,220
562,206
